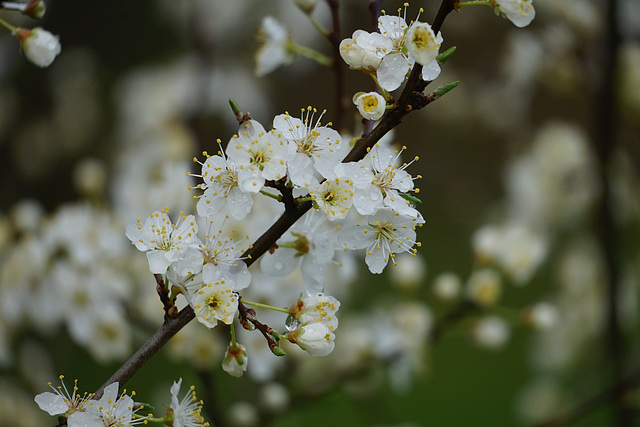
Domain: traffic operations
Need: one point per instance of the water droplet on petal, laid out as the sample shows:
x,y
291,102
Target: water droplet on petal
x,y
291,323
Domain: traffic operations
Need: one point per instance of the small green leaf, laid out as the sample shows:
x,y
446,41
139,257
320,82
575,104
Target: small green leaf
x,y
444,56
442,90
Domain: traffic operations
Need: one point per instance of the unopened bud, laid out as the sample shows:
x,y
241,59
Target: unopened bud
x,y
35,9
39,46
307,6
235,360
278,351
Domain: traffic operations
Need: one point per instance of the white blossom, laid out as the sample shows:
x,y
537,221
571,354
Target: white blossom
x,y
273,52
520,12
334,197
309,143
221,252
163,241
61,401
357,56
186,411
386,234
515,247
371,105
422,43
318,308
446,286
258,154
220,188
484,287
543,316
423,46
311,249
491,332
216,300
379,180
111,410
315,338
39,46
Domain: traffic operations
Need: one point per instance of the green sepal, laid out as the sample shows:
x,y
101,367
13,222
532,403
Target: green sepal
x,y
278,351
412,199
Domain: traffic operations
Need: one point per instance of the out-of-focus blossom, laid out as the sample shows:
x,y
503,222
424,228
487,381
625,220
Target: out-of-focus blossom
x,y
39,46
273,52
520,12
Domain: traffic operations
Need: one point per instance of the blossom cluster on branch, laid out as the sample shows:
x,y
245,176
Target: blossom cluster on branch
x,y
307,203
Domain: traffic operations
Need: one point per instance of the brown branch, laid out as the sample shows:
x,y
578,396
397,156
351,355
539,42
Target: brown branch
x,y
148,349
289,217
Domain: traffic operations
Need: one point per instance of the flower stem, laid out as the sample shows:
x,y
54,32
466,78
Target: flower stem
x,y
383,92
319,27
273,196
257,304
303,199
473,3
310,53
233,335
8,26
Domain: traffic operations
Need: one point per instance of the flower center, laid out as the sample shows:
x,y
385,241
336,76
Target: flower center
x,y
213,302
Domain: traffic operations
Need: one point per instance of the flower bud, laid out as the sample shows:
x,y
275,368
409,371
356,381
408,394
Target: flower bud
x,y
35,9
307,6
315,338
39,46
236,360
370,105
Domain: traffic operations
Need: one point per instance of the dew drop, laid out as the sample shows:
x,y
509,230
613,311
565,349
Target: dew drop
x,y
291,323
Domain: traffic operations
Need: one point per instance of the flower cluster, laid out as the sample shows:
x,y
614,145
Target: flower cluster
x,y
117,410
298,161
392,52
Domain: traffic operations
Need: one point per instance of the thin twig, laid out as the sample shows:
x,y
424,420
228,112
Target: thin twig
x,y
148,349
